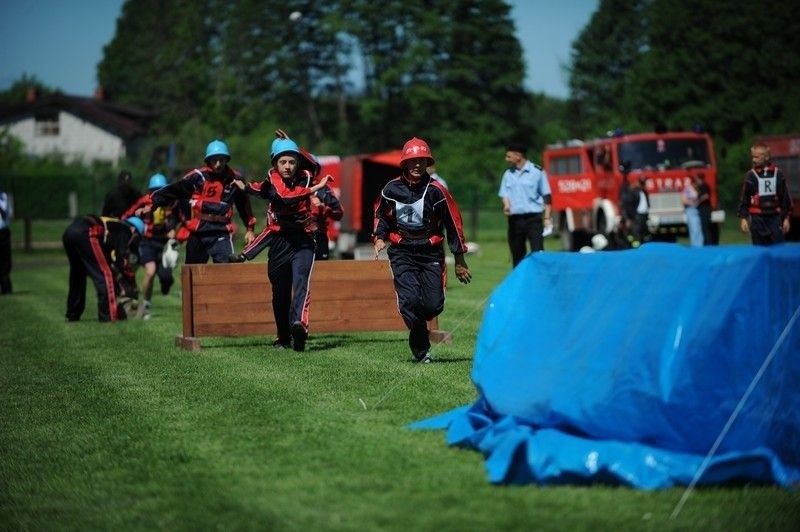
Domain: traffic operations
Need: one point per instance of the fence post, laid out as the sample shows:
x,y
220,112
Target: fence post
x,y
72,202
28,231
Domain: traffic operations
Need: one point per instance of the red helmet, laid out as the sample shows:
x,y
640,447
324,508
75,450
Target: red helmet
x,y
415,148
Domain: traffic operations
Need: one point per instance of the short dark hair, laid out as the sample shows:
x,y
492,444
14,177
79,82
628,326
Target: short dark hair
x,y
517,147
124,177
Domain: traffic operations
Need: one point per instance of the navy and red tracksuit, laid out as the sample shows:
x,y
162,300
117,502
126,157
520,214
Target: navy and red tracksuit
x,y
765,199
289,233
412,217
212,197
99,247
329,210
158,222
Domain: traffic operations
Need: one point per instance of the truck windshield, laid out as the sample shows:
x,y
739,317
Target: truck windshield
x,y
665,154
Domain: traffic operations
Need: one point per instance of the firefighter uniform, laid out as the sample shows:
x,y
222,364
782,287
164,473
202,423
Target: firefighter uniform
x,y
158,223
289,234
412,217
101,248
212,196
765,199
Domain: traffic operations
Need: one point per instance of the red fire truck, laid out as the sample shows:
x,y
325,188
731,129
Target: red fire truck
x,y
785,153
585,178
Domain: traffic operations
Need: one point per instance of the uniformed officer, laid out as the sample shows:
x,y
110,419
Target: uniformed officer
x,y
526,197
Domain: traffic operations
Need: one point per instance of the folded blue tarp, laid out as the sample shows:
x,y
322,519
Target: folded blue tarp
x,y
629,367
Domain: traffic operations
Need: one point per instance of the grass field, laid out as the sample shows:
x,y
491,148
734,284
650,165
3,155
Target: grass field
x,y
108,426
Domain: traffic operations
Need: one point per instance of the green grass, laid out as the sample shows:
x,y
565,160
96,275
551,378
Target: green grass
x,y
108,426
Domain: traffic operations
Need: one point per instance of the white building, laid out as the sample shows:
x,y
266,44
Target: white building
x,y
79,128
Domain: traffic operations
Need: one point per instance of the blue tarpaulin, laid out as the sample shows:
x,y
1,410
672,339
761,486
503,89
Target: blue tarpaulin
x,y
629,368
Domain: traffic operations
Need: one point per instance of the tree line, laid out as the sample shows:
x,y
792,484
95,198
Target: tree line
x,y
356,76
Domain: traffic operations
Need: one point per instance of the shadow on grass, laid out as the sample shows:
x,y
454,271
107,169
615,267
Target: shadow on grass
x,y
321,342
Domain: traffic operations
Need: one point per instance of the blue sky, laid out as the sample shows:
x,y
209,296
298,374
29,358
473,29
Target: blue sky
x,y
60,42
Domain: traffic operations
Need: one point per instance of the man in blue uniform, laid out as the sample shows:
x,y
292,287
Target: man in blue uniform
x,y
411,216
526,202
6,212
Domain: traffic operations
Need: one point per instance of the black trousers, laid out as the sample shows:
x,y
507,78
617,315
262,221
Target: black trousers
x,y
151,250
522,229
639,229
5,260
705,223
87,258
290,261
323,249
419,274
219,246
766,230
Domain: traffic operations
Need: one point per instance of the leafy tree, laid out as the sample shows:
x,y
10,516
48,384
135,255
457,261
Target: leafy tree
x,y
18,90
160,58
602,55
704,76
674,62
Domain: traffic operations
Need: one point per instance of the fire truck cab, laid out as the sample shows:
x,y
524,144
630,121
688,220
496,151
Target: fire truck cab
x,y
586,176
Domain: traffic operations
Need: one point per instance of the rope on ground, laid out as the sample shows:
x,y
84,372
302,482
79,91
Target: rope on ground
x,y
734,414
397,379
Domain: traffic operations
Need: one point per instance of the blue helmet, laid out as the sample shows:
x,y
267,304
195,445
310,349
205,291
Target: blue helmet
x,y
136,222
215,148
281,146
157,181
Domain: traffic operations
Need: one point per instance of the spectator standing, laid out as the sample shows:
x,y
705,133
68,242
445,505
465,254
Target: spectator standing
x,y
6,213
764,205
704,208
434,175
213,189
525,193
100,248
289,234
120,198
635,208
411,216
160,225
689,197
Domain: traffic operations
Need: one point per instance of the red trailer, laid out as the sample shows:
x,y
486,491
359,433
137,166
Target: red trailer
x,y
358,181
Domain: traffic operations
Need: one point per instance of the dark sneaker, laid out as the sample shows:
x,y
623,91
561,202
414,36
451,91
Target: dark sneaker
x,y
425,358
299,336
165,286
282,344
237,258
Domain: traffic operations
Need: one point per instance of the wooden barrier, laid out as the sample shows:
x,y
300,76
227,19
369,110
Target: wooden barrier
x,y
236,300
